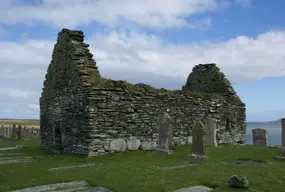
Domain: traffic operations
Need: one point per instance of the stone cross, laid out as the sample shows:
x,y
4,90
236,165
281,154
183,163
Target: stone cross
x,y
211,127
199,143
281,155
165,134
259,137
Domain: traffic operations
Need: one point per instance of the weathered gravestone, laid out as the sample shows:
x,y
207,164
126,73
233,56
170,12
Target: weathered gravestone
x,y
5,131
10,129
19,132
2,130
259,137
199,143
211,137
14,131
281,155
165,134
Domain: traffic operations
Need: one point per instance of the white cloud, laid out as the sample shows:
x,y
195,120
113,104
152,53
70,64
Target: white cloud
x,y
241,58
148,13
131,56
34,106
245,3
11,92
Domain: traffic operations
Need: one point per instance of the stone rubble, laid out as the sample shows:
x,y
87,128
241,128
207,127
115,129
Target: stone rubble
x,y
238,181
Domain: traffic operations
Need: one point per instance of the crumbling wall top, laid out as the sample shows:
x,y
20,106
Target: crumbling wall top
x,y
207,78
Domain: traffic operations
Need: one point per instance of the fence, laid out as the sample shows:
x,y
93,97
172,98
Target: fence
x,y
18,131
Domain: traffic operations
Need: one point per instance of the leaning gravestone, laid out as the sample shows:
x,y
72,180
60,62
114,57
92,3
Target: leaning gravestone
x,y
165,134
211,137
281,155
259,137
199,143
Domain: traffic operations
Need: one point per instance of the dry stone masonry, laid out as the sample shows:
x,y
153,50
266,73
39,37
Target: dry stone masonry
x,y
84,113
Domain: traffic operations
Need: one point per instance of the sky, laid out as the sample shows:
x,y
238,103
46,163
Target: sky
x,y
155,42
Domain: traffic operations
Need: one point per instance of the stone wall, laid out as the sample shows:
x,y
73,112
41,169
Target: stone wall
x,y
81,112
63,119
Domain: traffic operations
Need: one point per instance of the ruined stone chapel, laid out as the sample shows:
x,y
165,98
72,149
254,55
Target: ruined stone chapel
x,y
84,113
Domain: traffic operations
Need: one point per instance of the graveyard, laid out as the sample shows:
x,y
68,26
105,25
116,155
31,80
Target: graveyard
x,y
102,135
143,171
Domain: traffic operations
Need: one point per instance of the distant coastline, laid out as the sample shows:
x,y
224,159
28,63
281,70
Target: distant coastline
x,y
276,121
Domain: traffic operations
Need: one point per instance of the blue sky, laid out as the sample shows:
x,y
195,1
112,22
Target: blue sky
x,y
153,42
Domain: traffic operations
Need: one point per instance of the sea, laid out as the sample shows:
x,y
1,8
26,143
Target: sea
x,y
274,132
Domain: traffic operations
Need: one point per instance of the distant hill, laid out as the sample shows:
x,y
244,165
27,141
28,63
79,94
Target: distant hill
x,y
276,121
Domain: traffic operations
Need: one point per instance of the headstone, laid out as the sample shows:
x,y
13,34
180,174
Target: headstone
x,y
14,131
10,129
5,131
19,133
165,134
199,143
259,137
2,130
281,155
23,132
211,126
30,132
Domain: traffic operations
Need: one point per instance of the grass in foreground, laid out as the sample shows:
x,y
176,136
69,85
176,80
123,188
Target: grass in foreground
x,y
139,170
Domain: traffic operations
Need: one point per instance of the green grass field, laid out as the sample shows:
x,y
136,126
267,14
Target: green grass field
x,y
28,122
139,170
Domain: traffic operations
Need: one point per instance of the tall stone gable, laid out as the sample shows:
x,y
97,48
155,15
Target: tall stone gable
x,y
84,113
63,119
207,78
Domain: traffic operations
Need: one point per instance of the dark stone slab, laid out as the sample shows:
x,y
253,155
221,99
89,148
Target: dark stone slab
x,y
177,167
244,162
